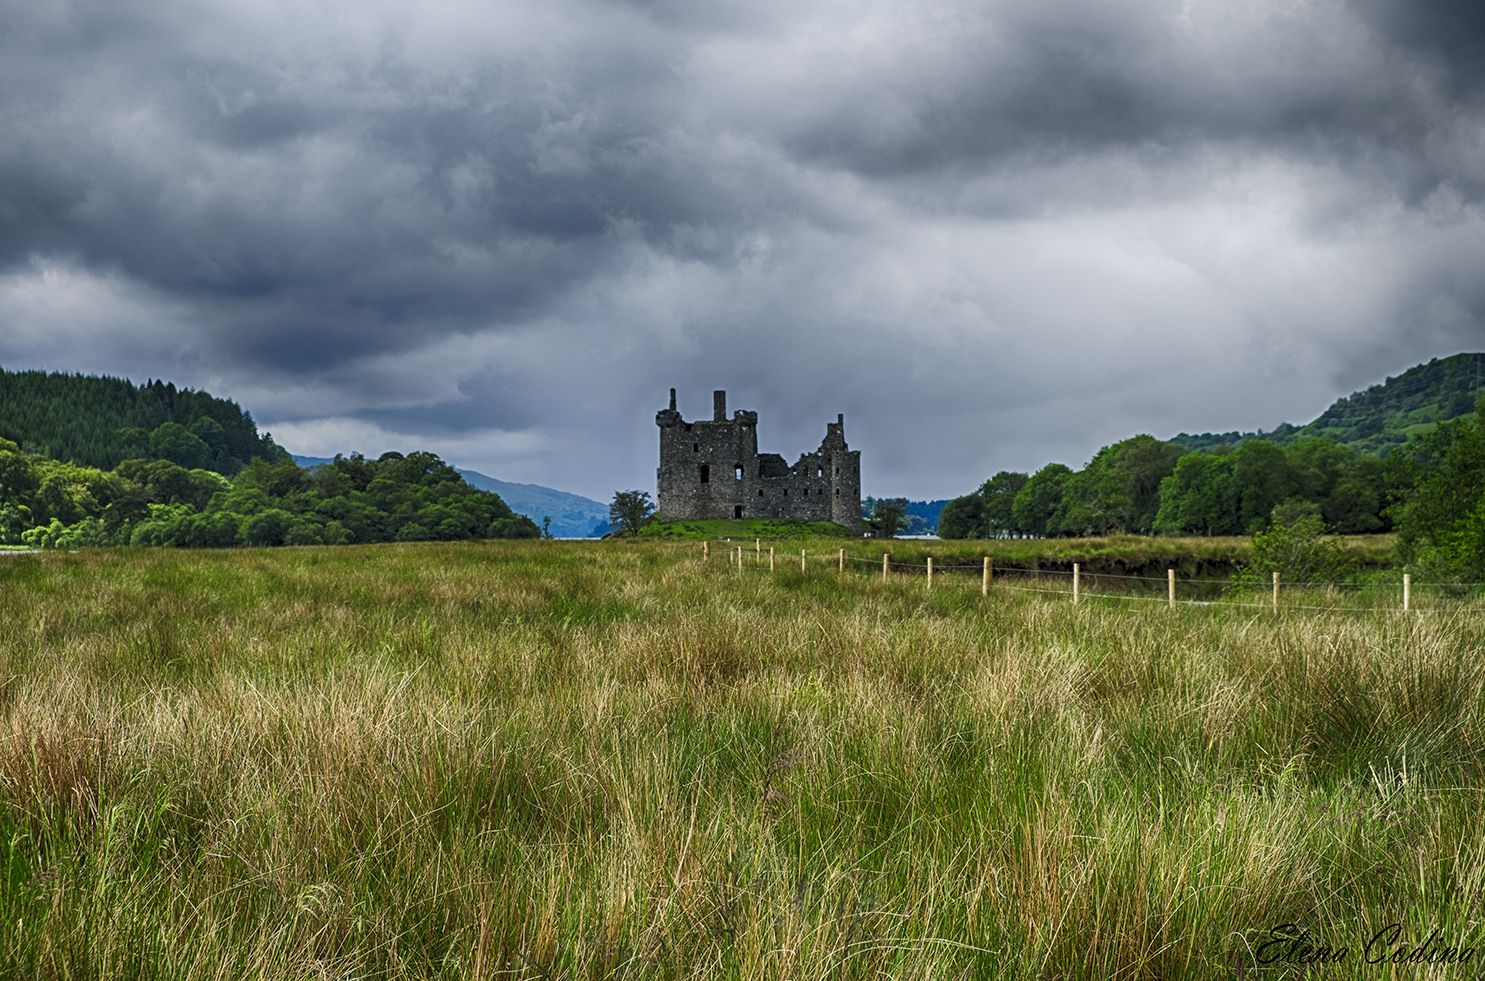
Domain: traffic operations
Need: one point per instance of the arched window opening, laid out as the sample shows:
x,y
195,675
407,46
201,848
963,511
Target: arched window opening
x,y
706,474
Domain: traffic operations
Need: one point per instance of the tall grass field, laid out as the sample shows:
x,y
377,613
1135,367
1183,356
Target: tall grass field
x,y
553,760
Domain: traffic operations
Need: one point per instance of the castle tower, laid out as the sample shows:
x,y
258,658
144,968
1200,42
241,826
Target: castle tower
x,y
712,469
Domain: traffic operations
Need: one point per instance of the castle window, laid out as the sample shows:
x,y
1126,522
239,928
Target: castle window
x,y
739,471
688,427
837,492
819,471
786,492
737,510
706,474
760,492
806,492
695,447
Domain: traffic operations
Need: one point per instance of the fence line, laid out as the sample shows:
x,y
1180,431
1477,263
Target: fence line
x,y
987,568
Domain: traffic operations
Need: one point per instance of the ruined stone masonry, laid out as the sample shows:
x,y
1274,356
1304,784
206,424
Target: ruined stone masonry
x,y
712,469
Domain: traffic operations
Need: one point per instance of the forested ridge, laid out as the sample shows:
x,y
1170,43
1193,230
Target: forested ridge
x,y
100,461
1383,416
100,422
1429,488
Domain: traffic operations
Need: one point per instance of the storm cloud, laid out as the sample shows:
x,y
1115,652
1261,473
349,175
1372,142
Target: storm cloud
x,y
992,234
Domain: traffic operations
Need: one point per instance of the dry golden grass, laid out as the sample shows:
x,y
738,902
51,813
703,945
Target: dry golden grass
x,y
562,760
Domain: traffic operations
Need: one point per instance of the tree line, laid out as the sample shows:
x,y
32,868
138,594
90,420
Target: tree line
x,y
46,503
1145,486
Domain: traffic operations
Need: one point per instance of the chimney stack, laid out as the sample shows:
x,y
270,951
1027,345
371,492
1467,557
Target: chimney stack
x,y
719,406
672,400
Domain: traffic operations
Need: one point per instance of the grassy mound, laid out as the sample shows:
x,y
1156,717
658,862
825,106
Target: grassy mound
x,y
747,529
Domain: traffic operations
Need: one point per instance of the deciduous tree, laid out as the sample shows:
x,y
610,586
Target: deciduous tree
x,y
630,510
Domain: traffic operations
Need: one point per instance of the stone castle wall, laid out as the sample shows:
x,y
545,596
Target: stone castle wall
x,y
712,469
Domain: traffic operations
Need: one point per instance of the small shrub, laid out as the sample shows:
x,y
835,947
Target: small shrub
x,y
1298,550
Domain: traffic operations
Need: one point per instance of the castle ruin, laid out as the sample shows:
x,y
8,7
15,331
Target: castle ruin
x,y
712,469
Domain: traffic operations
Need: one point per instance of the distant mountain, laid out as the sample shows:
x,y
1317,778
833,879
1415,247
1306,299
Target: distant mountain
x,y
572,516
1384,415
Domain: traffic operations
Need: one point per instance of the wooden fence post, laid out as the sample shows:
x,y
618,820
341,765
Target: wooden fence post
x,y
801,560
985,578
758,544
1075,582
842,560
1170,578
1276,592
706,551
930,572
1407,590
770,558
884,565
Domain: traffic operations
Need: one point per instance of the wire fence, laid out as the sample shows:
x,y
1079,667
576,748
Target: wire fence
x,y
1074,583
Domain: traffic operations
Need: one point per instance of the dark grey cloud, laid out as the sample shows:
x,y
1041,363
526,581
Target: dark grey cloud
x,y
992,233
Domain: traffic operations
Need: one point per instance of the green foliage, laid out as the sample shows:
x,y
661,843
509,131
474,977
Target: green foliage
x,y
160,503
999,494
1297,548
1143,485
963,517
1440,507
1197,497
100,422
18,479
630,511
888,516
1038,502
1119,490
168,483
1381,418
174,442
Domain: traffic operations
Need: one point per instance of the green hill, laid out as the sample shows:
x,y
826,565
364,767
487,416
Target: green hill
x,y
1384,415
100,422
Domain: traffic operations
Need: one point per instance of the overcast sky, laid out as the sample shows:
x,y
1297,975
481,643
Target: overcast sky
x,y
993,234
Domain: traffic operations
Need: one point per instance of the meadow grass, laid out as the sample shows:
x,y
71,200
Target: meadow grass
x,y
600,760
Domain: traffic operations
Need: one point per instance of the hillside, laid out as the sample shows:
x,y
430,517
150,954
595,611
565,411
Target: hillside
x,y
1381,417
573,516
100,422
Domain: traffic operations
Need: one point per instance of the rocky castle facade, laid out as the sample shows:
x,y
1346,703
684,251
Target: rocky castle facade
x,y
712,469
